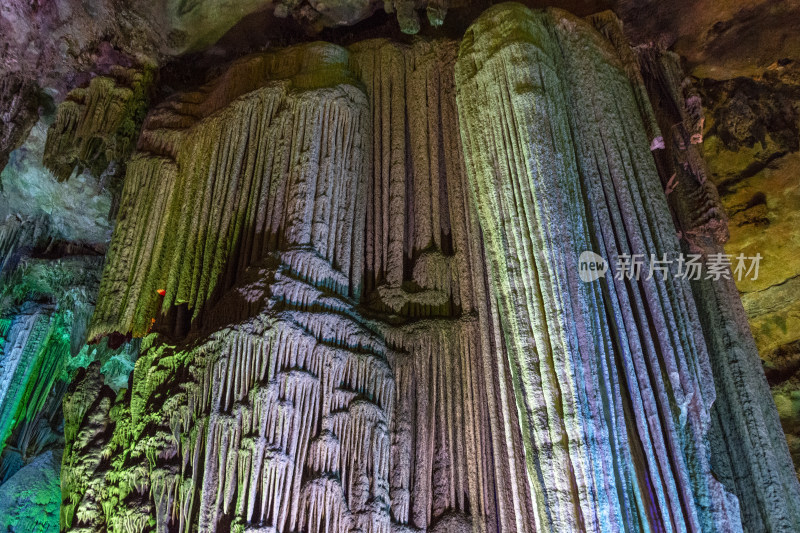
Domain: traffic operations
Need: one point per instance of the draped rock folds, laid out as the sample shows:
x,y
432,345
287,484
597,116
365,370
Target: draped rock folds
x,y
233,170
356,271
98,124
611,378
267,208
745,435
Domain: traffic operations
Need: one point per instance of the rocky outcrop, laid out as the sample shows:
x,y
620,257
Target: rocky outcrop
x,y
213,197
316,207
47,291
54,45
45,306
387,402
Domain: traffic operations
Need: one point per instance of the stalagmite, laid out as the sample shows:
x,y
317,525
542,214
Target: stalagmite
x,y
355,272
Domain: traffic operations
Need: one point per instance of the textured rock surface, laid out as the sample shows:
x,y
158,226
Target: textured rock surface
x,y
98,125
388,410
76,211
30,500
18,110
53,45
422,289
744,423
591,167
751,145
204,192
52,238
45,306
355,272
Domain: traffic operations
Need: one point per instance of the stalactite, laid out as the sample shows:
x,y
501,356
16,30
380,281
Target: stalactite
x,y
611,378
45,307
610,26
747,443
359,301
86,408
247,396
704,216
22,351
421,264
217,200
98,124
266,395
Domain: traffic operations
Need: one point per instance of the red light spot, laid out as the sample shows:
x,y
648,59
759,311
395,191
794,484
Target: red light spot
x,y
161,292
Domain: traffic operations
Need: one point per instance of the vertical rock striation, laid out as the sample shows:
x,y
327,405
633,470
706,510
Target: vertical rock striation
x,y
98,124
749,453
44,309
355,272
387,402
220,185
611,377
19,101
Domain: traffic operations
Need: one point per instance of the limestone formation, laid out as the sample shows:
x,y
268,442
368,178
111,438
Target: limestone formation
x,y
594,365
45,306
398,383
355,275
98,125
751,147
743,419
30,500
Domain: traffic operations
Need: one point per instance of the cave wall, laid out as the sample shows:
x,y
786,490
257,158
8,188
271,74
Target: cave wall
x,y
52,241
396,383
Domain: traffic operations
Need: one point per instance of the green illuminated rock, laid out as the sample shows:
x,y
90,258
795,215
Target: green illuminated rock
x,y
30,500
